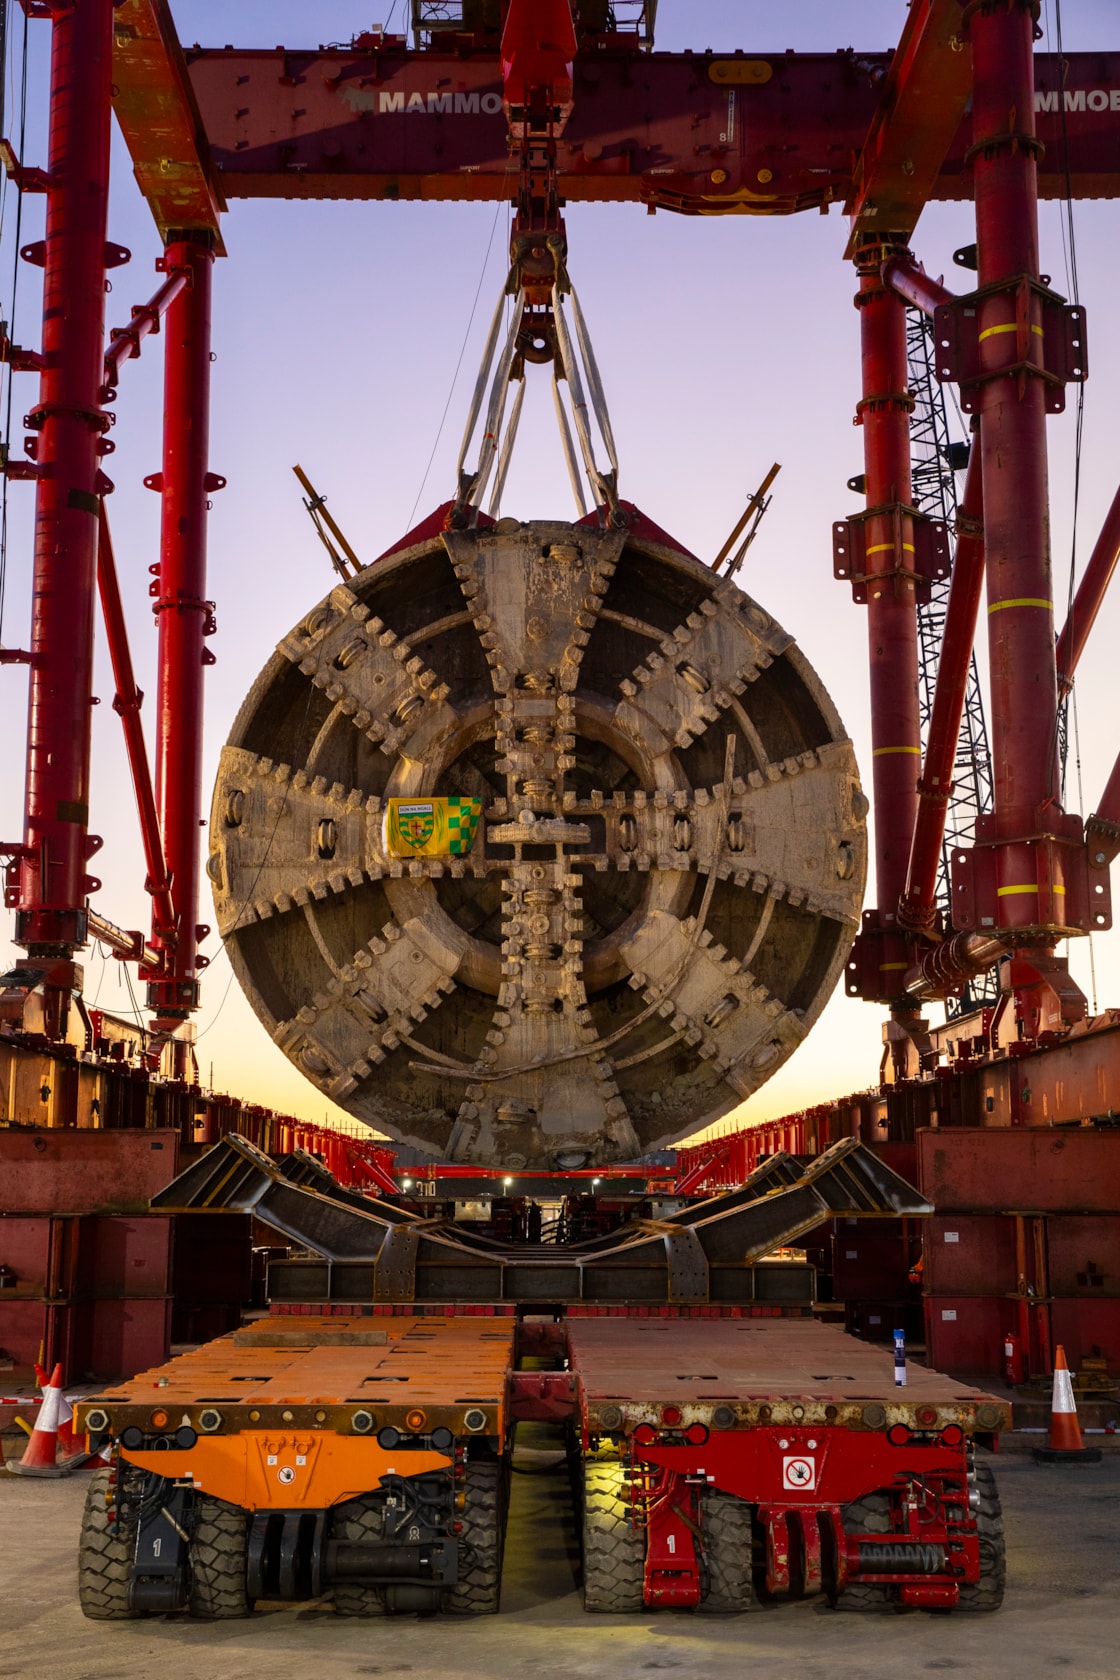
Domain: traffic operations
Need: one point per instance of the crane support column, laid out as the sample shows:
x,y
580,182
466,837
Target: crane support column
x,y
185,618
878,553
1013,453
68,422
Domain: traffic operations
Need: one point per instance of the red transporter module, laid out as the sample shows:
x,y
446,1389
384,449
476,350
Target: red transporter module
x,y
698,1436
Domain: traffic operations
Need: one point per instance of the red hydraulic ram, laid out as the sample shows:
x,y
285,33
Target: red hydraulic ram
x,y
69,423
1090,594
888,531
127,704
184,616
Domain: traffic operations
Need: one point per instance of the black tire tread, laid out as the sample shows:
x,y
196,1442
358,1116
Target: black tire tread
x,y
218,1561
479,1587
725,1536
614,1554
869,1515
358,1520
104,1558
987,1593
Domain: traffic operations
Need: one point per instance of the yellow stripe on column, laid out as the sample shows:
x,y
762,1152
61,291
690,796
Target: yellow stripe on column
x,y
1005,327
1003,892
880,751
1020,601
881,548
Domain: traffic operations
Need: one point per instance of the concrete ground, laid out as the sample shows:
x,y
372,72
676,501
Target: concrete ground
x,y
1062,1611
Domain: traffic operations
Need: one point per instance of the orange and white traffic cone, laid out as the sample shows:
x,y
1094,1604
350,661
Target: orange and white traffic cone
x,y
42,1448
1064,1445
72,1449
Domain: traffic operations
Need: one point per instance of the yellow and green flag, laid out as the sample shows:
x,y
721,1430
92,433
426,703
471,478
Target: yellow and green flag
x,y
437,827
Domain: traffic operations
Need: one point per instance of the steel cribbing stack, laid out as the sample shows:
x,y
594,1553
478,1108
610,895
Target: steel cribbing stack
x,y
47,880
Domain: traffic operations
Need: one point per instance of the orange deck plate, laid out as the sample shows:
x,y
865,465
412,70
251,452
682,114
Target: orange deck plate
x,y
421,1362
690,1361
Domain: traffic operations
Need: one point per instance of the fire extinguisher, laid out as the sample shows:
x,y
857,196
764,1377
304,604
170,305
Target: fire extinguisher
x,y
1013,1359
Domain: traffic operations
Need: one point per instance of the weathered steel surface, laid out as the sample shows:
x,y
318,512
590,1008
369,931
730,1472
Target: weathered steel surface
x,y
794,1371
635,941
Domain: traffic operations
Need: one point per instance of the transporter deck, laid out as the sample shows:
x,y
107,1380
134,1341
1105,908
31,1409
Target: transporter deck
x,y
300,1455
369,1457
704,1442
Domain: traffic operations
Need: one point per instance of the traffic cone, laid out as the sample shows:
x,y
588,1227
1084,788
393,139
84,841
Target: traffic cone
x,y
39,1459
1064,1445
72,1449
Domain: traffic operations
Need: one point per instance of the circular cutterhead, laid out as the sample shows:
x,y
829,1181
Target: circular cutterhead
x,y
538,845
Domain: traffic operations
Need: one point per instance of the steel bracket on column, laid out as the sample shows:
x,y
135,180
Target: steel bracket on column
x,y
1064,359
872,973
927,560
1073,898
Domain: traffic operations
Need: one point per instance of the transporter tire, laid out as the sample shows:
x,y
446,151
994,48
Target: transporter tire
x,y
725,1538
479,1587
869,1515
104,1557
218,1561
987,1593
358,1520
614,1554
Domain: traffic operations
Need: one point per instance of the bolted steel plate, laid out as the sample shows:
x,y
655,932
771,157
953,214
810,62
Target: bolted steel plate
x,y
634,939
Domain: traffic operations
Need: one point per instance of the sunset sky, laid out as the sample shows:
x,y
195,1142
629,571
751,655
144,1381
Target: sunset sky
x,y
724,343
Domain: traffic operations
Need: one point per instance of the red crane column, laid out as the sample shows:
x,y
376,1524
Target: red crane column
x,y
1024,698
51,907
888,548
185,618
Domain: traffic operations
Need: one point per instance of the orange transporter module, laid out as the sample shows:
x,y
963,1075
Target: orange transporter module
x,y
365,1455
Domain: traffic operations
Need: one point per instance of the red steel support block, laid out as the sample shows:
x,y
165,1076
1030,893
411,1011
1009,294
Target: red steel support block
x,y
881,957
69,422
185,617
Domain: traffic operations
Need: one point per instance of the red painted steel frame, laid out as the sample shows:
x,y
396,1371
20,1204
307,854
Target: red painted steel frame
x,y
1090,594
1024,699
127,703
892,622
184,616
51,918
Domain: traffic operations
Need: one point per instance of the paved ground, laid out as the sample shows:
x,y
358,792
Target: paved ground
x,y
1062,1611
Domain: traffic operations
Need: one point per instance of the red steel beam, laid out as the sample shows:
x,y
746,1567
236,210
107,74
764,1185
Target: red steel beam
x,y
53,884
127,703
125,342
1090,594
911,282
702,133
158,116
185,617
917,910
1024,698
924,97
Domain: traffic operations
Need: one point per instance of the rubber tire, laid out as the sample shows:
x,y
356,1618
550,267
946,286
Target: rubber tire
x,y
355,1521
869,1515
987,1593
725,1538
479,1588
104,1559
218,1561
614,1554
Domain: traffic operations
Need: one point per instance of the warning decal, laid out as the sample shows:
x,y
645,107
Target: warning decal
x,y
799,1474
